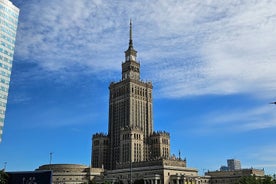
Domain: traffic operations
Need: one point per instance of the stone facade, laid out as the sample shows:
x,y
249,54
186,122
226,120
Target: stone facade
x,y
100,149
130,135
232,177
161,171
132,150
160,145
71,173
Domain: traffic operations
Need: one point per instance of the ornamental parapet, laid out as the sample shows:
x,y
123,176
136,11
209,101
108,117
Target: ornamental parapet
x,y
154,162
99,135
160,133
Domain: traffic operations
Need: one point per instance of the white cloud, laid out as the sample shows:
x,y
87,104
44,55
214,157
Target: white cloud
x,y
238,120
263,156
203,47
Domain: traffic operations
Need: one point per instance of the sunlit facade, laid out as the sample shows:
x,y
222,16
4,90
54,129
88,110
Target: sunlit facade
x,y
131,137
8,26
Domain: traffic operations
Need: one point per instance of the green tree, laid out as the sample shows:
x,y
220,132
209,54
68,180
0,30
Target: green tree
x,y
3,177
256,180
141,181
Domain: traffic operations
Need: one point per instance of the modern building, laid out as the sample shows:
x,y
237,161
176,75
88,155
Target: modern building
x,y
233,164
8,26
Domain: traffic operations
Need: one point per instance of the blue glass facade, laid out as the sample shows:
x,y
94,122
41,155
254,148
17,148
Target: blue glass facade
x,y
8,26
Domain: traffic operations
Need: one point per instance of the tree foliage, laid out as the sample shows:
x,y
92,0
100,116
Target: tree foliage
x,y
256,180
3,177
141,181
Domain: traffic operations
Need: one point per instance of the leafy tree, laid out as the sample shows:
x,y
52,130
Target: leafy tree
x,y
107,182
141,181
3,177
256,180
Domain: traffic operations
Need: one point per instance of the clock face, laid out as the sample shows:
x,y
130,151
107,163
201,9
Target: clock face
x,y
132,57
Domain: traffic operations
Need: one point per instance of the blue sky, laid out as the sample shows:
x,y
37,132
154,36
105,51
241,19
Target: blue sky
x,y
212,64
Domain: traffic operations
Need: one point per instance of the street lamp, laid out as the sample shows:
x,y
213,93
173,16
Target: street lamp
x,y
5,165
273,103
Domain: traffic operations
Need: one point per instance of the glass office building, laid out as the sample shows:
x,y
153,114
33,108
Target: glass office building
x,y
8,26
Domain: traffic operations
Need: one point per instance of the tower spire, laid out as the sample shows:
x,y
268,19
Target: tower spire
x,y
130,35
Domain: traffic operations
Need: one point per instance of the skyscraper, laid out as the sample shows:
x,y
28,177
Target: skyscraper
x,y
8,26
130,135
233,164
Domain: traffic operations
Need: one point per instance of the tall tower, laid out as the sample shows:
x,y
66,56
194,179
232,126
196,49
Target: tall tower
x,y
8,26
130,112
130,135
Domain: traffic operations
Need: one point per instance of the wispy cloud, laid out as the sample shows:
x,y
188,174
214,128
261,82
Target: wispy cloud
x,y
238,120
204,47
263,156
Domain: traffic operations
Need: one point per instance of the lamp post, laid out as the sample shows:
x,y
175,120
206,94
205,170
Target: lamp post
x,y
51,157
5,165
273,103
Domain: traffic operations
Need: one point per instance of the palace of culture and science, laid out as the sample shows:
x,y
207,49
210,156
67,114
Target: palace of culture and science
x,y
132,152
131,143
130,130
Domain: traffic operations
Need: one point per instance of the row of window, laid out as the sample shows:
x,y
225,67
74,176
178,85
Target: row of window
x,y
6,74
137,152
3,58
12,41
120,112
165,152
165,141
2,88
5,66
125,152
2,96
7,17
12,27
7,46
76,179
8,32
10,12
126,136
136,136
140,91
2,104
3,81
97,142
2,112
141,113
2,50
144,92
